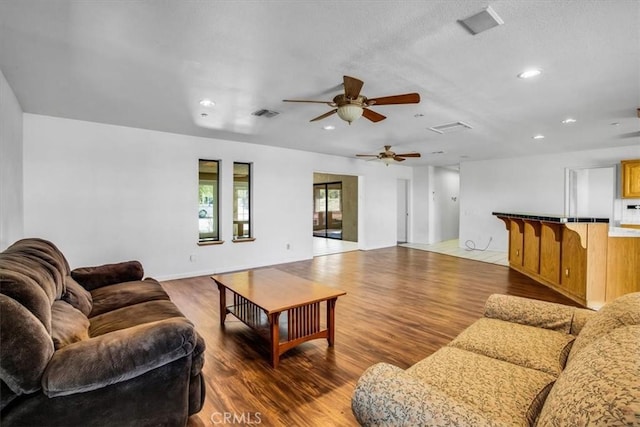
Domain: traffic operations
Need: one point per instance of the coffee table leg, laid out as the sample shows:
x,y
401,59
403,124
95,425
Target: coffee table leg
x,y
331,320
274,324
223,303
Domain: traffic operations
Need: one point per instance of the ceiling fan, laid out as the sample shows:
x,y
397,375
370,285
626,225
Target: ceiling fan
x,y
351,105
388,156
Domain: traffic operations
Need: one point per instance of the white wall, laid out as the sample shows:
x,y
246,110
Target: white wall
x,y
527,184
11,202
107,193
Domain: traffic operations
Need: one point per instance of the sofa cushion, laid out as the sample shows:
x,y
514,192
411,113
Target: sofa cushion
x,y
108,274
68,325
385,395
530,312
133,315
43,255
113,297
26,347
506,393
600,385
32,269
77,296
25,291
622,311
118,356
526,346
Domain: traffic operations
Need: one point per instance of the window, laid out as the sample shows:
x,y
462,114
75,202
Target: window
x,y
208,211
242,201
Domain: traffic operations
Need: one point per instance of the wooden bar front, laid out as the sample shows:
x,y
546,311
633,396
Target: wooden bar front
x,y
570,257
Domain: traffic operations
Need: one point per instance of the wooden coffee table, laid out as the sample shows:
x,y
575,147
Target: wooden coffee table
x,y
260,297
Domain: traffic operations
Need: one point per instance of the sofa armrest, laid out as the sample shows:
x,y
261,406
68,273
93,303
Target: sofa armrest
x,y
117,356
108,274
541,314
386,396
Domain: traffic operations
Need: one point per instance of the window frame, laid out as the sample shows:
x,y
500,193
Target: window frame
x,y
215,210
237,222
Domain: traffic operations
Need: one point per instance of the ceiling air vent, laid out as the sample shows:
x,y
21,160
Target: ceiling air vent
x,y
450,127
265,113
482,21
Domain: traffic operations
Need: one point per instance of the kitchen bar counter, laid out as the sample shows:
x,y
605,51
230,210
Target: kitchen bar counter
x,y
576,256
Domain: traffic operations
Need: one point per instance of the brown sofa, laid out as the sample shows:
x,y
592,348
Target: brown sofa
x,y
95,346
524,363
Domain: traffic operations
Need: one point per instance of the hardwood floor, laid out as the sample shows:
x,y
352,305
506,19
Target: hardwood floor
x,y
401,305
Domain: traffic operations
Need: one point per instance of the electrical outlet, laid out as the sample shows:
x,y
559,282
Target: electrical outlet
x,y
288,246
192,258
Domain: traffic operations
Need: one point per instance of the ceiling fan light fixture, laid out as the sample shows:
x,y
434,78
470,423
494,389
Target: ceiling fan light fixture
x,y
387,160
350,112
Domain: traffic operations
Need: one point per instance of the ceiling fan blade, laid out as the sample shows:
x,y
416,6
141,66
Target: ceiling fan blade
x,y
366,155
324,116
352,87
398,159
304,100
407,98
372,115
408,155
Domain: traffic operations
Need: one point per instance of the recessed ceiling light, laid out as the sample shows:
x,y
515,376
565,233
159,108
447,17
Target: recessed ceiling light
x,y
527,74
568,120
207,102
615,124
418,115
204,115
328,127
538,136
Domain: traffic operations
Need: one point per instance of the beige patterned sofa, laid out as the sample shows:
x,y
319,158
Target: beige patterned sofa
x,y
525,363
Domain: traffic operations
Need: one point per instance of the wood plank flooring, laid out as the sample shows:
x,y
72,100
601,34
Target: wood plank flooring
x,y
401,305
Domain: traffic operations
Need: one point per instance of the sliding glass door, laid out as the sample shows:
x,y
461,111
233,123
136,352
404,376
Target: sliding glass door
x,y
327,210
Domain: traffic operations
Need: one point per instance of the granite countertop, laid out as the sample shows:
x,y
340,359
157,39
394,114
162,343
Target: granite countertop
x,y
562,219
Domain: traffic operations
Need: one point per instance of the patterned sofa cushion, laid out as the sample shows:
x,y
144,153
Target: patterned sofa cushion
x,y
505,393
526,346
385,395
600,385
622,311
530,312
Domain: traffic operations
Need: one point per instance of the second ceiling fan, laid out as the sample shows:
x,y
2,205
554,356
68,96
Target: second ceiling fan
x,y
351,105
388,156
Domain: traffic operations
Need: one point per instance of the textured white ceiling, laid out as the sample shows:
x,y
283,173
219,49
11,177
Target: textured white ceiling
x,y
147,64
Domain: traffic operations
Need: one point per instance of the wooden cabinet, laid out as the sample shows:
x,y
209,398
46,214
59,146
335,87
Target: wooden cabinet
x,y
623,266
631,179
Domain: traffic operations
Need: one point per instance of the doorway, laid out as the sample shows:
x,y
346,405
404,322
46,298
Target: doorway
x,y
590,192
327,210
